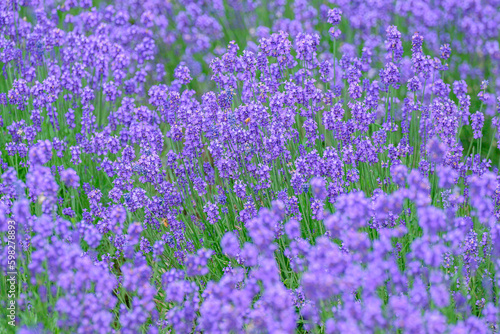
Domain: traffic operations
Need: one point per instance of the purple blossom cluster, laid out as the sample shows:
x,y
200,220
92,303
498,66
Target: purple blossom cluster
x,y
325,175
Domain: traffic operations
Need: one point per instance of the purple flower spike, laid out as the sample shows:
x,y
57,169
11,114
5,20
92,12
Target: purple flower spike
x,y
334,16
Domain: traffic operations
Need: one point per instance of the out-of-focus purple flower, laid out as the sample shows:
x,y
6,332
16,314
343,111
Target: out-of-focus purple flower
x,y
318,187
70,178
196,265
399,174
292,229
436,150
447,176
41,152
230,244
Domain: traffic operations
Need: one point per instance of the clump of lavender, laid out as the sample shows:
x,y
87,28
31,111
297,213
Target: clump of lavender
x,y
154,180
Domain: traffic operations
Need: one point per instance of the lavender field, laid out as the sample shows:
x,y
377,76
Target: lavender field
x,y
250,166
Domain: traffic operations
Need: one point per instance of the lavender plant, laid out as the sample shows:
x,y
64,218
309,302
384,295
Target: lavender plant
x,y
250,166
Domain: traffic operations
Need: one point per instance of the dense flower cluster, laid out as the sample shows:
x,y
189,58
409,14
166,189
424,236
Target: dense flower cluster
x,y
326,172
